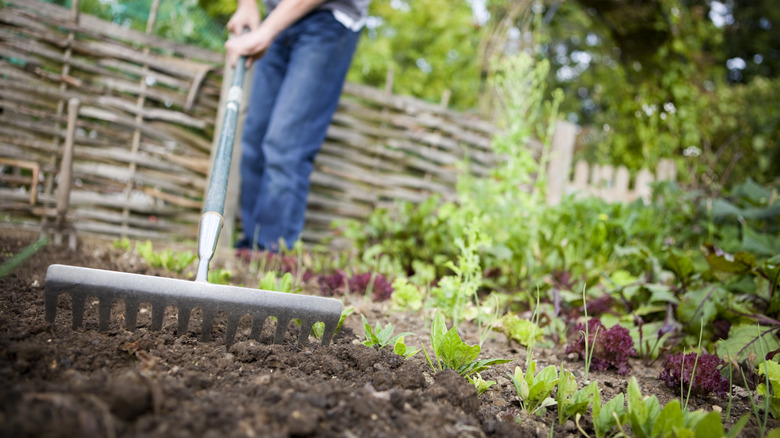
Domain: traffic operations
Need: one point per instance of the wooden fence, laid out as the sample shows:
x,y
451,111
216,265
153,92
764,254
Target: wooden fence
x,y
129,118
142,118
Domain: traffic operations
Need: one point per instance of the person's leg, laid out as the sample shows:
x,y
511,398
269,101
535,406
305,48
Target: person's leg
x,y
321,52
268,75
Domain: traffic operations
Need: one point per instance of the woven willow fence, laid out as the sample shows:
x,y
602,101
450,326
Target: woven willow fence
x,y
132,116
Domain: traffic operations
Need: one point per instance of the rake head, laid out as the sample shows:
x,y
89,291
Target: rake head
x,y
160,292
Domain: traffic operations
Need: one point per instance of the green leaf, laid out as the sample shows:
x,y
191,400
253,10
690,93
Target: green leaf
x,y
671,418
604,417
738,263
744,339
710,426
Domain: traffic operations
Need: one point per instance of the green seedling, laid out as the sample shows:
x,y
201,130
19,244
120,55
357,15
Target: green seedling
x,y
380,337
481,384
220,276
570,400
406,296
271,282
526,332
534,390
123,244
609,415
451,353
169,260
770,388
318,328
401,349
648,420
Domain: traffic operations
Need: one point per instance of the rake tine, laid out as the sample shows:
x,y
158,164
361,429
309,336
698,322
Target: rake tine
x,y
131,314
158,312
104,313
208,324
183,320
258,321
281,330
232,327
77,303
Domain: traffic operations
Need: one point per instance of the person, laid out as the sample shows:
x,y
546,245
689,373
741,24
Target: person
x,y
303,50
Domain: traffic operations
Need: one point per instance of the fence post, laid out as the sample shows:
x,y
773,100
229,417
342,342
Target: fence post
x,y
560,161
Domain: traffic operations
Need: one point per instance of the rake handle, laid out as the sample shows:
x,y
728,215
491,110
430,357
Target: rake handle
x,y
214,205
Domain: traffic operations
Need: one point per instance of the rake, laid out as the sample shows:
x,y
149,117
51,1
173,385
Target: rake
x,y
161,292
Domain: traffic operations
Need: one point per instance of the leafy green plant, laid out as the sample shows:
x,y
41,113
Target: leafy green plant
x,y
535,389
570,400
481,384
649,420
123,244
770,388
400,348
406,296
609,415
381,337
169,260
451,353
318,329
526,332
220,276
271,281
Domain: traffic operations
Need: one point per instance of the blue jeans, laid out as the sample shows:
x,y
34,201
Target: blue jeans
x,y
296,89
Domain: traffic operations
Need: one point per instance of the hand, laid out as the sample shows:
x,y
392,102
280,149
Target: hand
x,y
253,45
246,16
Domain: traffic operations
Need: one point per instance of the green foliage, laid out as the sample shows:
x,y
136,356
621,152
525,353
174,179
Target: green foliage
x,y
169,260
451,353
609,415
406,296
526,332
535,389
570,400
380,337
123,244
318,329
219,276
272,282
648,420
771,387
481,384
427,50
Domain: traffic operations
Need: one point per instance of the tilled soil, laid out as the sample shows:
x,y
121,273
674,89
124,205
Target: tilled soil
x,y
56,381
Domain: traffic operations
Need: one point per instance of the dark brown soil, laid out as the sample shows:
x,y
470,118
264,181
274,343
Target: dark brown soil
x,y
59,382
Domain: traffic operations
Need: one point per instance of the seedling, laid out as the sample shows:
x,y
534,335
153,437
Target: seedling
x,y
481,384
534,390
318,328
647,419
380,337
169,260
570,400
451,353
609,415
271,282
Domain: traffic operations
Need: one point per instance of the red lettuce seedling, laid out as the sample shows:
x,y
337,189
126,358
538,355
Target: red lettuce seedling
x,y
332,284
381,289
612,347
707,377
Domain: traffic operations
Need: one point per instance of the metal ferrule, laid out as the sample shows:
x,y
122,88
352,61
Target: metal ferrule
x,y
208,234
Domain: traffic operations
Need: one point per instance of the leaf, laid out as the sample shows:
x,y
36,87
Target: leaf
x,y
681,265
738,263
701,306
671,418
438,330
737,427
604,418
744,339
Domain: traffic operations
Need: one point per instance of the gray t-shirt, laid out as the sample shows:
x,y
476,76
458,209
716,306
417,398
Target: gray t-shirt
x,y
356,10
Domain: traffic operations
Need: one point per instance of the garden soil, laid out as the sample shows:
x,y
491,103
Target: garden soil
x,y
59,382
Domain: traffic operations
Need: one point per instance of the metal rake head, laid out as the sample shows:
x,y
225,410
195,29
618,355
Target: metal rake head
x,y
160,292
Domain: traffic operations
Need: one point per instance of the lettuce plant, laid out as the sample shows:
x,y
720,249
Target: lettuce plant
x,y
380,337
373,284
611,348
451,353
649,420
570,400
534,389
678,371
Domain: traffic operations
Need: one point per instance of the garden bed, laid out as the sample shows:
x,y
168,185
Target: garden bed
x,y
56,381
